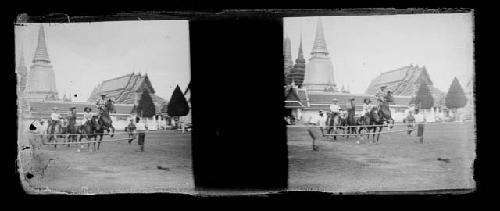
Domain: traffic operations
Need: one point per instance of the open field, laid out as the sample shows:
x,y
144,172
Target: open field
x,y
118,167
399,163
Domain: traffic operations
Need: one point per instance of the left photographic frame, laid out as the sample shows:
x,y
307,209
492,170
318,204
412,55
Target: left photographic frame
x,y
104,107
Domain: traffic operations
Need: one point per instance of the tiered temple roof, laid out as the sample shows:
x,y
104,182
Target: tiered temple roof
x,y
298,71
125,89
404,81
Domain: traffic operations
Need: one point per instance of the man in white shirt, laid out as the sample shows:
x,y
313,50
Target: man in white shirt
x,y
87,116
334,107
54,119
314,120
367,107
140,128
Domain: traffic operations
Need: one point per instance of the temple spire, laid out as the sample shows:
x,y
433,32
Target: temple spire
x,y
41,53
301,54
319,46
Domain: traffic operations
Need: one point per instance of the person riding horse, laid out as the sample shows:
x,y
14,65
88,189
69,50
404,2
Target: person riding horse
x,y
367,107
103,115
100,104
384,98
54,120
335,108
87,116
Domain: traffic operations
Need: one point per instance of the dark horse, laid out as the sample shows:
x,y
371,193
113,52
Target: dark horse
x,y
105,121
92,129
351,120
87,130
333,123
376,120
71,129
385,112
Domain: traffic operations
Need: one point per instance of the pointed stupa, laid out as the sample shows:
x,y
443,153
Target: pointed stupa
x,y
301,53
41,53
42,83
319,46
319,70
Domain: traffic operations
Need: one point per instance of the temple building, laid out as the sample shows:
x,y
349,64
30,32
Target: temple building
x,y
42,83
298,70
126,89
405,81
319,70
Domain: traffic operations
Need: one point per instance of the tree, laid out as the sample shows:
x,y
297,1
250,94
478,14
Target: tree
x,y
424,99
177,106
455,98
146,107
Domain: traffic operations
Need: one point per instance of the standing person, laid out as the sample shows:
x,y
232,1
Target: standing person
x,y
141,131
43,129
322,122
131,130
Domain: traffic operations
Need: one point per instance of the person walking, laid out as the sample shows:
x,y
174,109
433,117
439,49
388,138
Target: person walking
x,y
131,130
316,120
141,128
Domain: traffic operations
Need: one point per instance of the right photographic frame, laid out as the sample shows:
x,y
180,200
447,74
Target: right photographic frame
x,y
378,103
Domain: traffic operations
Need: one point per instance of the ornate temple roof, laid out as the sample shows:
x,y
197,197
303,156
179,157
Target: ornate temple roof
x,y
124,88
403,81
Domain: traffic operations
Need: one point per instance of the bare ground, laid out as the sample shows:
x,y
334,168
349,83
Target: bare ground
x,y
399,163
117,167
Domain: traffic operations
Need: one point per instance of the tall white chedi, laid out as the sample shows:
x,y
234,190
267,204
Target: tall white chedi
x,y
319,69
42,83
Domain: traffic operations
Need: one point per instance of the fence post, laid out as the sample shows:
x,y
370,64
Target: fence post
x,y
420,132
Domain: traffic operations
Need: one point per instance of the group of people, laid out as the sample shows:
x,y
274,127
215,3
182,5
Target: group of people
x,y
136,128
382,96
55,116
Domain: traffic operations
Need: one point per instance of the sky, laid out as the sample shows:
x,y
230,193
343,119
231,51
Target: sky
x,y
362,47
84,54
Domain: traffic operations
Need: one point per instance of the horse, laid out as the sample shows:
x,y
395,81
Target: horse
x,y
332,122
105,119
376,119
385,112
91,129
98,125
72,129
351,120
54,132
86,130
